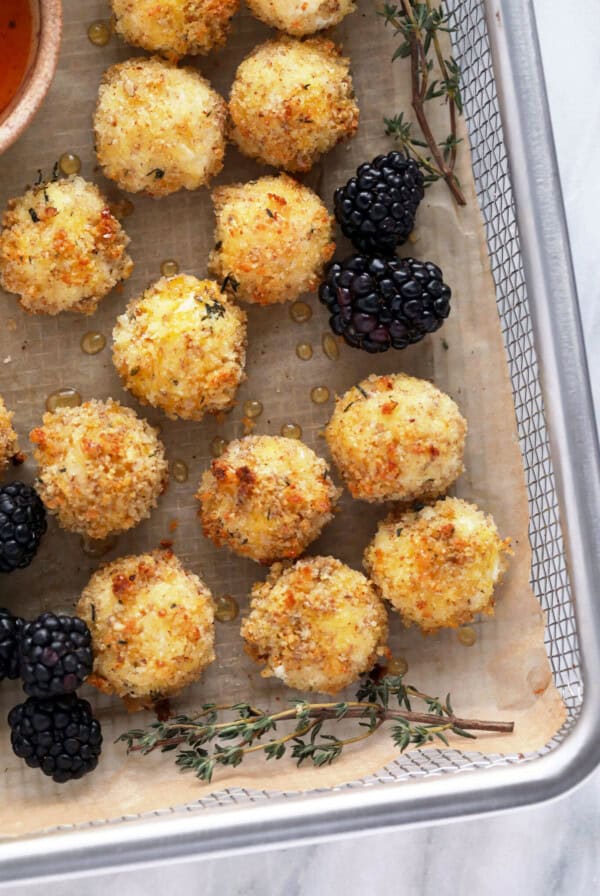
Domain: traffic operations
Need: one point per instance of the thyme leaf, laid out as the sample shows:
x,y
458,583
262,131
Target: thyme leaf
x,y
434,76
223,735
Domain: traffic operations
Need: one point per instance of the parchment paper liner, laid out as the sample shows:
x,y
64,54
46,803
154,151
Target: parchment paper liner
x,y
504,675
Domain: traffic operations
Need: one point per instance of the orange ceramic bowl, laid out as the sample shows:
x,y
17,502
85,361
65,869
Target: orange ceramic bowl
x,y
43,57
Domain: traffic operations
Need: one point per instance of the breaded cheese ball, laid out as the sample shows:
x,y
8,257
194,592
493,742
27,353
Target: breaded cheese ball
x,y
174,27
396,438
152,627
300,17
266,497
158,128
318,625
273,236
9,445
61,248
439,566
181,347
101,467
292,101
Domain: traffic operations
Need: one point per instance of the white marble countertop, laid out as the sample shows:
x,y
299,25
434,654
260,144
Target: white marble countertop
x,y
549,849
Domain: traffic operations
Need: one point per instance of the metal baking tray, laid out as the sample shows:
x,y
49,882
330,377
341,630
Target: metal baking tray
x,y
519,192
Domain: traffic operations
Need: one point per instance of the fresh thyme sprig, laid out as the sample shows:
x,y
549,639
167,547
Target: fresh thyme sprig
x,y
419,25
207,739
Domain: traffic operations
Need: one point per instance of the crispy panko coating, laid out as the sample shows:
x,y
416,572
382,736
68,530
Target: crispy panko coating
x,y
174,28
101,467
266,497
181,347
396,438
152,626
292,101
61,249
439,566
9,446
273,237
301,17
159,128
318,625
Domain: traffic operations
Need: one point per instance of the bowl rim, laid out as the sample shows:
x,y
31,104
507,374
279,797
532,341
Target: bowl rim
x,y
37,82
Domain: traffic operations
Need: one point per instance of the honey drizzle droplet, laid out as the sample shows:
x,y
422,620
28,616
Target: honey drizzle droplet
x,y
99,34
304,351
92,343
69,163
122,208
253,408
226,608
217,446
539,678
169,268
397,666
180,471
63,398
291,431
467,635
300,312
320,394
98,547
330,346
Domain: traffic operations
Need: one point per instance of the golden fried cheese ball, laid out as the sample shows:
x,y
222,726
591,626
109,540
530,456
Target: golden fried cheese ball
x,y
158,128
174,27
181,347
318,625
300,17
61,248
9,446
152,627
439,566
273,236
266,497
292,101
396,438
101,467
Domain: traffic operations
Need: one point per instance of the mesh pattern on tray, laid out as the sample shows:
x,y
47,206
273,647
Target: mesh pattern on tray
x,y
548,574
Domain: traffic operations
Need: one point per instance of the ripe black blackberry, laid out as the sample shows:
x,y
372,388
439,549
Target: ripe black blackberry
x,y
376,209
60,736
378,303
10,629
55,655
22,524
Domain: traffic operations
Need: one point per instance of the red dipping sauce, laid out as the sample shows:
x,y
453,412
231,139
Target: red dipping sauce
x,y
16,32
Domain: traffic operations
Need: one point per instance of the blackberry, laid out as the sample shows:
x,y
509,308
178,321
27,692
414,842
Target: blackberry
x,y
22,524
55,655
376,209
378,303
60,736
10,628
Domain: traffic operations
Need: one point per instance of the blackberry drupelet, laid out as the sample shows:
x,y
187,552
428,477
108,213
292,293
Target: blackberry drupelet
x,y
10,629
55,654
59,735
22,524
376,209
379,303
